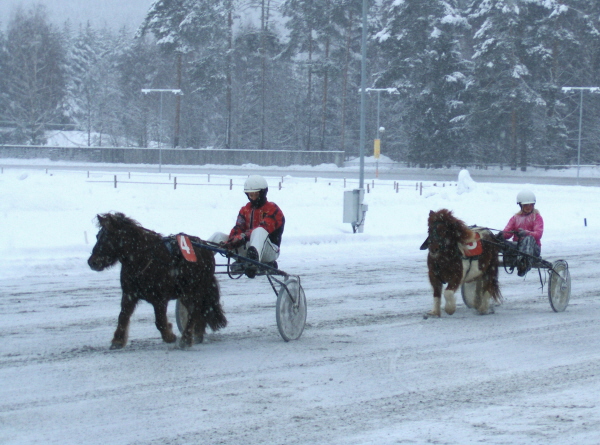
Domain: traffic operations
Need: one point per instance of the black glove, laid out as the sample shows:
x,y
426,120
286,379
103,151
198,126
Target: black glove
x,y
500,236
235,241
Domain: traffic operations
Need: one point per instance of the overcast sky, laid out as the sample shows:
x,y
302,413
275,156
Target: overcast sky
x,y
114,13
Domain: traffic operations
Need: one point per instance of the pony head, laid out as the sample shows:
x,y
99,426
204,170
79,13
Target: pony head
x,y
109,240
446,231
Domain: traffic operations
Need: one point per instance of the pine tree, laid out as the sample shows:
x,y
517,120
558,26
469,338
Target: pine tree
x,y
419,41
82,86
197,30
322,40
137,63
35,77
3,88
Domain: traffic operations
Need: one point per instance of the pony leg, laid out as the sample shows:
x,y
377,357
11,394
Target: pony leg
x,y
450,295
484,306
450,306
436,311
162,322
490,290
199,331
122,332
484,303
187,336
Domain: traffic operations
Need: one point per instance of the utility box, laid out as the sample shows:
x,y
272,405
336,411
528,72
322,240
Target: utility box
x,y
354,209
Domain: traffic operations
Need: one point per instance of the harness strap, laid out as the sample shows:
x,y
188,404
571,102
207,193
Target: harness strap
x,y
144,269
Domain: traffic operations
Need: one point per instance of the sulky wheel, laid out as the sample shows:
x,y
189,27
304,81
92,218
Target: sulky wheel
x,y
468,292
181,317
559,288
291,309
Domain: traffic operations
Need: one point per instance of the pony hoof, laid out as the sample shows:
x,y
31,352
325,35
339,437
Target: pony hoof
x,y
170,338
184,344
431,314
198,338
117,346
489,311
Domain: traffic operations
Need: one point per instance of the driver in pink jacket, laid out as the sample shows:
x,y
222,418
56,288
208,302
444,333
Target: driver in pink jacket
x,y
526,228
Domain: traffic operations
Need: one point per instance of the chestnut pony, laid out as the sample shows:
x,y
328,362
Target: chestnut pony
x,y
448,241
153,271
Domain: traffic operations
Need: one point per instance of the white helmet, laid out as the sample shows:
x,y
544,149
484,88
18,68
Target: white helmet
x,y
525,197
255,183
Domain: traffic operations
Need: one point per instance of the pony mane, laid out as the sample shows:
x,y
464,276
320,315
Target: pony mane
x,y
457,227
118,220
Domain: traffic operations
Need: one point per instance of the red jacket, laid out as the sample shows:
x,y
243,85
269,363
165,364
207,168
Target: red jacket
x,y
533,224
269,216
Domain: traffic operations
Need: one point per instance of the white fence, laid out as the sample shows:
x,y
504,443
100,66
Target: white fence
x,y
174,156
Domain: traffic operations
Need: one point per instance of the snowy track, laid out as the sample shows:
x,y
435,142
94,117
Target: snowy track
x,y
368,368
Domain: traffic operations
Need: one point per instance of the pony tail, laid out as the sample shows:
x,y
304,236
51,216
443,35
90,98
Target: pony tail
x,y
215,316
495,290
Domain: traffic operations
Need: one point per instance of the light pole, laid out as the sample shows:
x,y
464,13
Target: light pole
x,y
377,143
354,209
161,91
581,90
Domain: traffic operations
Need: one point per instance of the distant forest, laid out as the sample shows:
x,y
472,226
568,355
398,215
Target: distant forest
x,y
464,82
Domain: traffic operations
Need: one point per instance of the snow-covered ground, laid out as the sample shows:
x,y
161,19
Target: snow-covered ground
x,y
368,369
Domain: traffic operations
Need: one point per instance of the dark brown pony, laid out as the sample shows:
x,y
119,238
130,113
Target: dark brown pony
x,y
156,273
448,241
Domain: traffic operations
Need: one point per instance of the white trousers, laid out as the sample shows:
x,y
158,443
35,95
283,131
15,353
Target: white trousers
x,y
267,251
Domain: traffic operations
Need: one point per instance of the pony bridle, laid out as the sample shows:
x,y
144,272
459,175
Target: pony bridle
x,y
442,243
435,237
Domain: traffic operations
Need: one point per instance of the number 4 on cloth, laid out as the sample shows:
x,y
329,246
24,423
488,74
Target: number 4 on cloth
x,y
187,250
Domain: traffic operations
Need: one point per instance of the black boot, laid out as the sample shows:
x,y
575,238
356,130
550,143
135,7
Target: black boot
x,y
251,268
523,266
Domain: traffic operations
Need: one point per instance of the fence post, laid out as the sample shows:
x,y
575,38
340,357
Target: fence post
x,y
420,188
344,182
368,188
129,175
115,181
175,183
280,186
209,177
231,184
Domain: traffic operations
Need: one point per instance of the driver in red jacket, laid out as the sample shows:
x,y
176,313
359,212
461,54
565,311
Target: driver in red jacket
x,y
257,231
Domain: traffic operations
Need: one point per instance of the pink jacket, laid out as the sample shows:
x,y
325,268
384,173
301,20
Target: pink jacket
x,y
533,224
